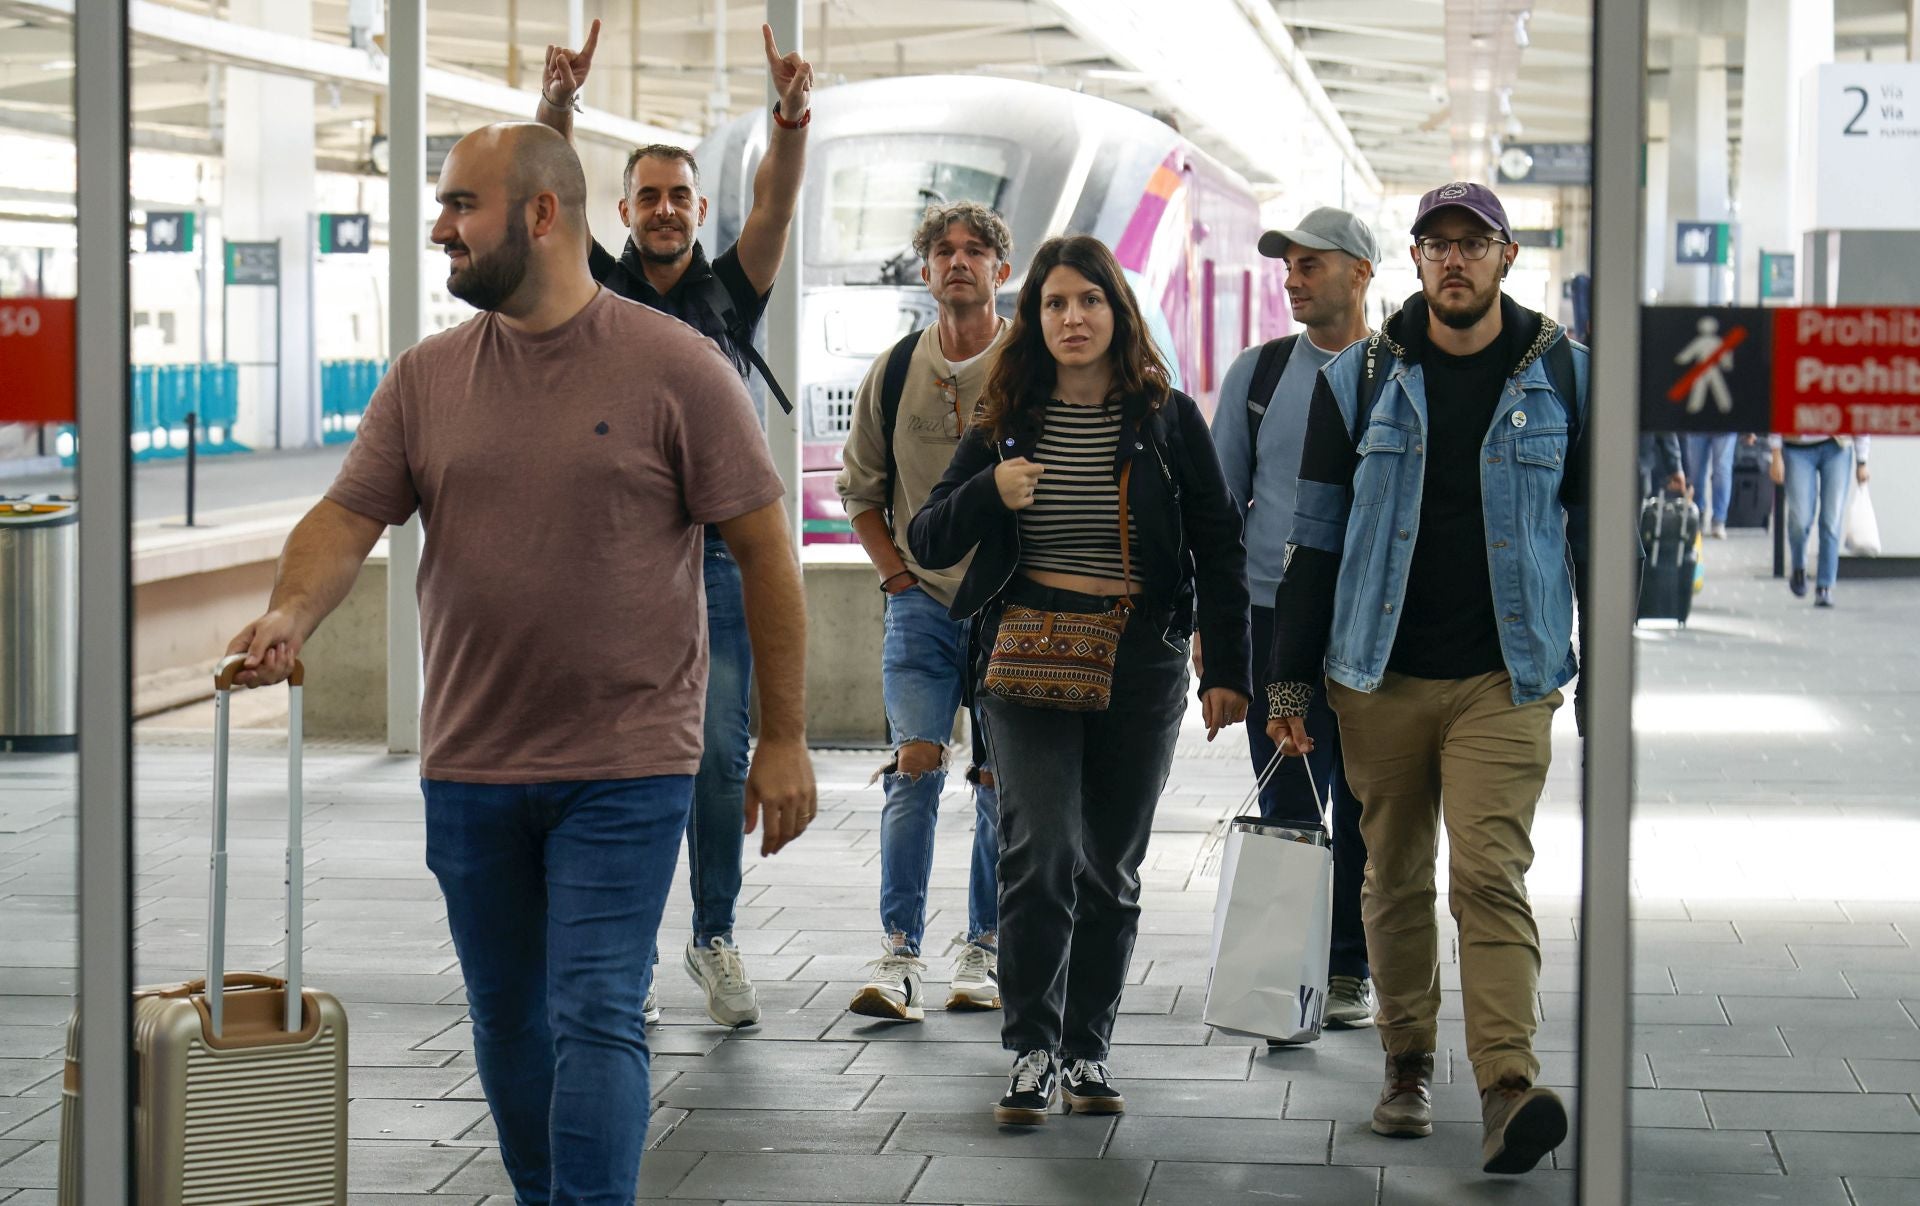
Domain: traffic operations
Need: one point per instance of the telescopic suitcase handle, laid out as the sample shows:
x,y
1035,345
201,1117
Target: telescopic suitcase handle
x,y
224,680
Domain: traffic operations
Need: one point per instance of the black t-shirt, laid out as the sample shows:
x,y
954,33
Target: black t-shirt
x,y
1447,624
694,300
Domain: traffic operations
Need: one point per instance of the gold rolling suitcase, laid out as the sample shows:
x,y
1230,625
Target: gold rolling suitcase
x,y
242,1078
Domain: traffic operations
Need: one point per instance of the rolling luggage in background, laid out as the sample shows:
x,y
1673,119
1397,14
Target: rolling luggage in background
x,y
242,1078
1669,532
1751,504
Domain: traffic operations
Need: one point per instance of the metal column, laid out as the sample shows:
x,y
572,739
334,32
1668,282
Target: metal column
x,y
406,181
1606,627
783,308
101,379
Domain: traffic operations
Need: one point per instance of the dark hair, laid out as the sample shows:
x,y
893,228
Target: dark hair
x,y
1024,373
658,150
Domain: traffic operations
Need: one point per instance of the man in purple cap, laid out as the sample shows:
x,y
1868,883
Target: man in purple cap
x,y
1442,497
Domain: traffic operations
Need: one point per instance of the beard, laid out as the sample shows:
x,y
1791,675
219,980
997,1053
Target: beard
x,y
1461,315
488,281
654,255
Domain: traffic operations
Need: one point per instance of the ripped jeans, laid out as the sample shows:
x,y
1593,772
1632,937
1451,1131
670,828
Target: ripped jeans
x,y
923,669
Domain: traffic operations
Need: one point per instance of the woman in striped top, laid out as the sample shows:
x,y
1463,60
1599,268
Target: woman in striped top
x,y
1078,407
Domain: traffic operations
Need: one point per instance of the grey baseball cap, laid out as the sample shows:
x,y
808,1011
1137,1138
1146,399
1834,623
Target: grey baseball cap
x,y
1325,229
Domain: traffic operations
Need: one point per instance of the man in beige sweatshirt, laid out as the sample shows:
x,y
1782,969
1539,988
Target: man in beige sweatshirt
x,y
938,373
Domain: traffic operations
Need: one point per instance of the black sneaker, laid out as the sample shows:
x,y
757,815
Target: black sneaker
x,y
1030,1090
1797,583
1085,1087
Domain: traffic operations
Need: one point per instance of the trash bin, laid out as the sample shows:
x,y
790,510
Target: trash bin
x,y
39,622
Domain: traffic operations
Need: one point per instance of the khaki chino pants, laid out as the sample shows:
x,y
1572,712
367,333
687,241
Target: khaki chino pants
x,y
1419,751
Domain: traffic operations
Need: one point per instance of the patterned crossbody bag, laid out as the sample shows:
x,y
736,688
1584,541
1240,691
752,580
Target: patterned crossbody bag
x,y
1063,659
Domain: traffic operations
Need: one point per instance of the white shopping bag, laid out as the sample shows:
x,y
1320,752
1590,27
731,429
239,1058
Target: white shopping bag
x,y
1863,529
1272,923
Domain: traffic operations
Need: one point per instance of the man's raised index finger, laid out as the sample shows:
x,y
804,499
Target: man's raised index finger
x,y
773,48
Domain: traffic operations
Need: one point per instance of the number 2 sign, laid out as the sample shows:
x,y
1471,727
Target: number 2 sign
x,y
36,360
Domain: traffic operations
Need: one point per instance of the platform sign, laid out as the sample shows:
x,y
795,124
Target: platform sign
x,y
253,263
1549,239
169,231
36,360
1860,145
1701,243
1776,276
1795,370
345,234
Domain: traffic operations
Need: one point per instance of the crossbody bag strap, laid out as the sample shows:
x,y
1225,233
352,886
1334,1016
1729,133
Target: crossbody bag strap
x,y
1126,562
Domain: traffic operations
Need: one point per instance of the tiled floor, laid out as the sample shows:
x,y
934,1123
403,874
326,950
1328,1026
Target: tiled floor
x,y
1778,1056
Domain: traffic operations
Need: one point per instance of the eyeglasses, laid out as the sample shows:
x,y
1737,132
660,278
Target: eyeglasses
x,y
1473,247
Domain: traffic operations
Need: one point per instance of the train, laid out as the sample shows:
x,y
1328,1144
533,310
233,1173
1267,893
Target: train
x,y
1049,160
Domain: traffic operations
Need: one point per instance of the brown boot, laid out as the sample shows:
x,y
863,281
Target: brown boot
x,y
1522,1123
1406,1102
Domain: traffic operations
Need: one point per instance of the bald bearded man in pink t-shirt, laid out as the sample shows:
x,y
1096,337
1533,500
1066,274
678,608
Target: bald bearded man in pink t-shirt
x,y
563,449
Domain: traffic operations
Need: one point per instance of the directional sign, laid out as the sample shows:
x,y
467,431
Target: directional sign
x,y
1776,276
1701,243
253,263
1795,370
169,231
345,233
36,360
1546,163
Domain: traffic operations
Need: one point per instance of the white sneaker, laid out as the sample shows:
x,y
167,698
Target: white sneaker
x,y
896,989
650,1008
976,977
719,972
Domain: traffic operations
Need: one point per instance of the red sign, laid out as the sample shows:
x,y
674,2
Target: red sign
x,y
1846,370
36,360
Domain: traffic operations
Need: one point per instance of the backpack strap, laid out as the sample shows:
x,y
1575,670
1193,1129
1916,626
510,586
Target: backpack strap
x,y
720,303
1267,371
893,383
1373,383
1561,376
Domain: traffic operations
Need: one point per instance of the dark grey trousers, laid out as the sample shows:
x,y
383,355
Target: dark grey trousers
x,y
1077,794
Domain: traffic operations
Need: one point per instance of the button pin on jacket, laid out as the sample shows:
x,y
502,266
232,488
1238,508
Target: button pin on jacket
x,y
1519,418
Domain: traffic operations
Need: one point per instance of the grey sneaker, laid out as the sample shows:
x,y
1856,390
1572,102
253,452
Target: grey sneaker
x,y
718,971
650,1008
1406,1102
1349,1003
1521,1123
1719,529
976,978
896,989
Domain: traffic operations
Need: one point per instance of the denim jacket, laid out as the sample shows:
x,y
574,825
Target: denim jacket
x,y
1358,515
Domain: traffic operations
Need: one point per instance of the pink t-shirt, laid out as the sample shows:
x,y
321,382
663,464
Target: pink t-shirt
x,y
562,480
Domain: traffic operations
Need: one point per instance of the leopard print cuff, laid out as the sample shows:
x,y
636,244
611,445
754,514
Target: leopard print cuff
x,y
1288,699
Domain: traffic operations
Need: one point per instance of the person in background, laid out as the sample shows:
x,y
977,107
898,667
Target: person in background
x,y
1258,430
663,266
1086,481
926,656
1709,470
1819,473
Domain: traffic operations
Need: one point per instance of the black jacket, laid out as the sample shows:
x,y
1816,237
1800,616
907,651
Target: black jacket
x,y
1189,529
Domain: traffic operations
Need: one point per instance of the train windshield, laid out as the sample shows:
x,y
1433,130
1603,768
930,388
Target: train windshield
x,y
877,187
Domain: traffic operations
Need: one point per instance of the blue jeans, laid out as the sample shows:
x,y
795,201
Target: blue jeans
x,y
1711,456
1818,474
924,665
716,828
554,893
1289,798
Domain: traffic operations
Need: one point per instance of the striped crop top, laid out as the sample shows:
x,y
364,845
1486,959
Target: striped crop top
x,y
1073,526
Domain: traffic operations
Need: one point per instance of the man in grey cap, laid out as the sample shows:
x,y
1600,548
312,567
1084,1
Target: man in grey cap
x,y
1442,497
1258,428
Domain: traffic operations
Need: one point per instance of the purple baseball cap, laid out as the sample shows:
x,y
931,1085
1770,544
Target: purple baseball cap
x,y
1476,199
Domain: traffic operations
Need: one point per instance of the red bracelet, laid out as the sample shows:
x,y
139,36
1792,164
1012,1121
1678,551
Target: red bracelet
x,y
784,124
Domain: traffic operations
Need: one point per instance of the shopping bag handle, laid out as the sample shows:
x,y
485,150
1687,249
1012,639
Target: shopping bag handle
x,y
1266,777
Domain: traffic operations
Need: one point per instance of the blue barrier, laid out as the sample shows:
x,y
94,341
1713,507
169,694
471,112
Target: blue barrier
x,y
346,386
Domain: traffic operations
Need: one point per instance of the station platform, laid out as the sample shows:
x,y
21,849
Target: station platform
x,y
1777,989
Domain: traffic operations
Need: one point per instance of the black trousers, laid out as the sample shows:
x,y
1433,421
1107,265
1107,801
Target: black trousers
x,y
1077,794
1288,798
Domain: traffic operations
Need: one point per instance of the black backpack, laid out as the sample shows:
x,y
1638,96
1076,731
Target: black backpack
x,y
719,303
1267,371
892,384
